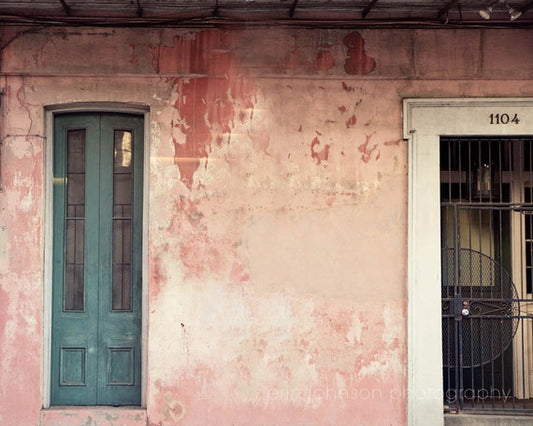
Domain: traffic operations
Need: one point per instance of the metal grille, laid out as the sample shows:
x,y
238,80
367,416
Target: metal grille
x,y
487,264
492,303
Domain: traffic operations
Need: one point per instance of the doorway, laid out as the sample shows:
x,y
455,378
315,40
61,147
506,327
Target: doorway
x,y
486,210
425,121
97,245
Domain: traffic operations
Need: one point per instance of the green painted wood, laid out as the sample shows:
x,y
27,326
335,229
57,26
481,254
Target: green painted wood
x,y
119,331
96,352
73,332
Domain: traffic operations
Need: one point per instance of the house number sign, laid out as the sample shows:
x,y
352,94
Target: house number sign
x,y
504,118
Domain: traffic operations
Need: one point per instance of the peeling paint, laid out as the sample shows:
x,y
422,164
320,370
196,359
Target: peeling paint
x,y
239,273
357,62
157,276
207,106
292,57
24,103
347,88
351,121
366,150
134,60
324,60
321,155
273,168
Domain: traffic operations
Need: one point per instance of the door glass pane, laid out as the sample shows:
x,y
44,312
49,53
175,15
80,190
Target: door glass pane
x,y
75,221
122,195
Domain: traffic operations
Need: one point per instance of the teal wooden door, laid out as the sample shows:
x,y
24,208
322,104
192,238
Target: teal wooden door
x,y
96,295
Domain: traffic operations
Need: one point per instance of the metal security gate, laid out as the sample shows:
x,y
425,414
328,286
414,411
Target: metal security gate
x,y
487,267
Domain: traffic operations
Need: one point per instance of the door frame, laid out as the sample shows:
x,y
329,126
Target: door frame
x,y
424,121
49,114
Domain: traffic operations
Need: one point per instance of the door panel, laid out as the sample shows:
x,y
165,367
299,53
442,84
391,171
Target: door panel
x,y
74,307
96,318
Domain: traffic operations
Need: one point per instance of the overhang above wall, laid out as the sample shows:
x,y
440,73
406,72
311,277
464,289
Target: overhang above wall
x,y
323,13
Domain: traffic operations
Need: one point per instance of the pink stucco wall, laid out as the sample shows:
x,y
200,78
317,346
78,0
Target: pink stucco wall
x,y
277,208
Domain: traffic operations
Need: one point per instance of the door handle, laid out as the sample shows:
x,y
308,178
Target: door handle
x,y
461,307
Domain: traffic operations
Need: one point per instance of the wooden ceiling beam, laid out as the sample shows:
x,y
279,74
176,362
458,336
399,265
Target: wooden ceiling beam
x,y
525,7
369,7
443,13
65,6
293,8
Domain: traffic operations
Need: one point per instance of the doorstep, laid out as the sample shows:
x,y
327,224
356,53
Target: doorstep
x,y
93,416
487,420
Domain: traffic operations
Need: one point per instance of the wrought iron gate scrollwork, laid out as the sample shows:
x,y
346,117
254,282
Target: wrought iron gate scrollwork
x,y
478,296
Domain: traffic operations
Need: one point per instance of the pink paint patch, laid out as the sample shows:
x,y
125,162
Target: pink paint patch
x,y
351,121
347,88
319,155
239,273
390,143
4,305
260,137
324,60
133,57
292,59
366,150
357,63
157,275
342,109
201,253
20,369
207,105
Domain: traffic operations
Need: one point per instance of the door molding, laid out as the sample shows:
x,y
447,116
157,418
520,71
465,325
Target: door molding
x,y
49,113
424,121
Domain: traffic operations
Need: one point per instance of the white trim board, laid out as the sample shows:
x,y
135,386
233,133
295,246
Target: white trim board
x,y
424,121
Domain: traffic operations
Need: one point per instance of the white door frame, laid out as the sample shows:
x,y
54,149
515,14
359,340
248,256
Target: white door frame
x,y
49,113
424,121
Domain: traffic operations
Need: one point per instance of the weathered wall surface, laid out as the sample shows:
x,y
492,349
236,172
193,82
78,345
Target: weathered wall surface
x,y
277,208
